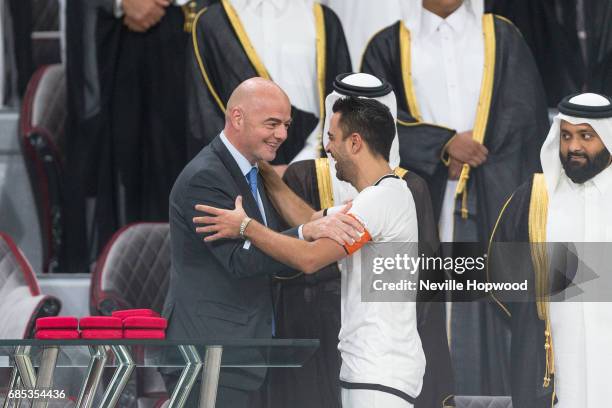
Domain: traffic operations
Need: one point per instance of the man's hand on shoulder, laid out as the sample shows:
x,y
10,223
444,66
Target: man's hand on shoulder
x,y
220,223
341,227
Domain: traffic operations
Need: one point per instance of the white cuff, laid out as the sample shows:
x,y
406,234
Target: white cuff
x,y
118,8
333,210
300,234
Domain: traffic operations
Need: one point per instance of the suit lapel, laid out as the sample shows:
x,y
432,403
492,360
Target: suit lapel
x,y
248,201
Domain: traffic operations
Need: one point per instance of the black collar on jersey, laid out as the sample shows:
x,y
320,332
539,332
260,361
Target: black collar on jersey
x,y
585,111
390,175
354,90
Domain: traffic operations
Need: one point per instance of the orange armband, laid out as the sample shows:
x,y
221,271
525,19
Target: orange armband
x,y
365,237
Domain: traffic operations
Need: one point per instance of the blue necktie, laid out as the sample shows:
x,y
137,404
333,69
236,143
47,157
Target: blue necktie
x,y
252,180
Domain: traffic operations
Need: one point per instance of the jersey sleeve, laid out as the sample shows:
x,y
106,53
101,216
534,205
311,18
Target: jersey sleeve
x,y
369,210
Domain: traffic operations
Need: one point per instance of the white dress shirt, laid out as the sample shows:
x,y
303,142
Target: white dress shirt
x,y
447,66
284,37
245,167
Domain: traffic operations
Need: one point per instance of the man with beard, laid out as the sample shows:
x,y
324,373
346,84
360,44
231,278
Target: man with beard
x,y
560,349
382,356
308,306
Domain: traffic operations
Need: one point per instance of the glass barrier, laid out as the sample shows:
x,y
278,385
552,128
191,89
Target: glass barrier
x,y
34,364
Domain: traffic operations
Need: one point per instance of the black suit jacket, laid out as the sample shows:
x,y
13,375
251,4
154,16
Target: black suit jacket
x,y
220,289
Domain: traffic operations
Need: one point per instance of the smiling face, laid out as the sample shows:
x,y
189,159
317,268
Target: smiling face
x,y
582,152
257,119
266,126
339,148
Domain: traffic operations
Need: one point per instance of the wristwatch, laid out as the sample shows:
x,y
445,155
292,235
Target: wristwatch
x,y
243,226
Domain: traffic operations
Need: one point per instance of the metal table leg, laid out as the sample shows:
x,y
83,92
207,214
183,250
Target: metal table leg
x,y
13,386
19,386
44,379
93,377
120,378
210,376
188,376
17,402
25,367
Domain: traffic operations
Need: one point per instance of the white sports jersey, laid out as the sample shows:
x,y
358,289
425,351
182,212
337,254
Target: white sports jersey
x,y
379,341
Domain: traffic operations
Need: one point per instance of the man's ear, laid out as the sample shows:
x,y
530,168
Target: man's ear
x,y
356,143
237,118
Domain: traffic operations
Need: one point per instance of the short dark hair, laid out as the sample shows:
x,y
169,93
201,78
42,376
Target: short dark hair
x,y
371,119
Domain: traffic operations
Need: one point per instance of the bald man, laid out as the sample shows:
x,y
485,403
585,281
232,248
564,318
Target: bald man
x,y
223,289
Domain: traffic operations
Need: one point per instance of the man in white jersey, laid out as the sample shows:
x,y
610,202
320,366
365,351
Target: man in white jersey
x,y
382,357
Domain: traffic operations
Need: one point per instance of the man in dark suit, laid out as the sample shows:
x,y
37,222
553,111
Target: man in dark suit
x,y
223,289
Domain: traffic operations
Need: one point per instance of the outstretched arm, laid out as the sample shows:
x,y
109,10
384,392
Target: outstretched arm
x,y
305,256
290,206
308,257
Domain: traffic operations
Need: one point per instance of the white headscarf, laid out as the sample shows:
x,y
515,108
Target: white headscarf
x,y
358,83
413,11
549,155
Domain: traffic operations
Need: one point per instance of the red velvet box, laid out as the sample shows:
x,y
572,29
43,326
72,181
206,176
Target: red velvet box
x,y
57,334
122,314
144,334
144,322
57,323
100,322
101,334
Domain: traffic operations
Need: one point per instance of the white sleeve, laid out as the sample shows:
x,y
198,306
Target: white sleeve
x,y
369,208
180,2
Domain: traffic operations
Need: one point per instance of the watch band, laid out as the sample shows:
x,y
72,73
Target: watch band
x,y
243,225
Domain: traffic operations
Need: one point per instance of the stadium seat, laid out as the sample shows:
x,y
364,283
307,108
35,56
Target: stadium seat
x,y
133,270
21,302
41,133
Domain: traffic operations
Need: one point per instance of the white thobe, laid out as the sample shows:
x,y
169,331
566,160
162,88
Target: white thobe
x,y
582,327
447,66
